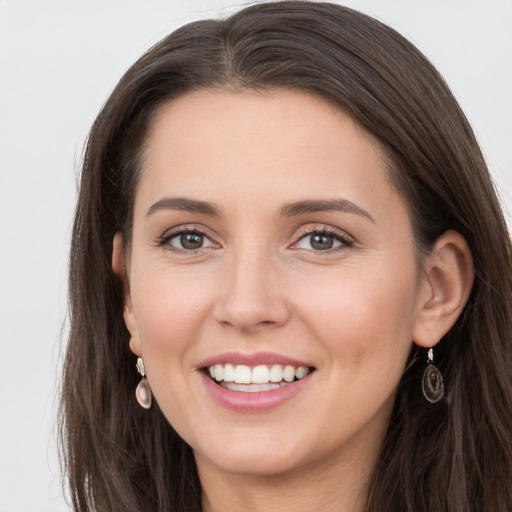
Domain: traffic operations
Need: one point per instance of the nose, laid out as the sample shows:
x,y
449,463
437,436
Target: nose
x,y
252,297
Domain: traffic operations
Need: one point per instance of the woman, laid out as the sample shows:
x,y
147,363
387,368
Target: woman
x,y
286,222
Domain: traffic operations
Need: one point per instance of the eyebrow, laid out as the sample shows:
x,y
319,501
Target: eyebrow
x,y
288,210
186,205
323,205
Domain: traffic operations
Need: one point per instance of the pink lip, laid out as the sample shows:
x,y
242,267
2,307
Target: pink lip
x,y
254,359
260,401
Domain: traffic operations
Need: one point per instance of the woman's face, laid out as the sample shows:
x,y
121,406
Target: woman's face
x,y
268,245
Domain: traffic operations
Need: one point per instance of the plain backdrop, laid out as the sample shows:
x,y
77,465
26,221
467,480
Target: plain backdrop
x,y
58,62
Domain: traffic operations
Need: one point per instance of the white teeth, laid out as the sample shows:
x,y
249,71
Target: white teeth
x,y
300,372
242,374
219,372
229,373
289,373
250,388
276,373
253,388
258,375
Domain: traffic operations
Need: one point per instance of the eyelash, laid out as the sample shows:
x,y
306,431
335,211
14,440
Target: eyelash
x,y
344,240
184,230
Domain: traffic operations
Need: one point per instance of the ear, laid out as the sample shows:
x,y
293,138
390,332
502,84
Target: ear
x,y
445,289
120,268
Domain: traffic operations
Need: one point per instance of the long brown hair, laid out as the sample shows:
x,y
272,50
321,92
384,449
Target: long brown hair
x,y
454,456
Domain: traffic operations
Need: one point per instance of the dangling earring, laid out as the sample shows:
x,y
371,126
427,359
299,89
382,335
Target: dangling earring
x,y
143,391
432,382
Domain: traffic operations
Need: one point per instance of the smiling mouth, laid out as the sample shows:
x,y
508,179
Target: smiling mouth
x,y
255,379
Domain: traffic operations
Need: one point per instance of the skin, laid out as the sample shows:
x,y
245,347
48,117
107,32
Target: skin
x,y
259,285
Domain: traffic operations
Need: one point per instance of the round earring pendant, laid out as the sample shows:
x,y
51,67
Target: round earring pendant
x,y
432,384
143,394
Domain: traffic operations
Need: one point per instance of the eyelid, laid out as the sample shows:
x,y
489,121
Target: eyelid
x,y
176,231
343,237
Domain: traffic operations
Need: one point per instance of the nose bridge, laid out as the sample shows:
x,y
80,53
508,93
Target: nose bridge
x,y
251,296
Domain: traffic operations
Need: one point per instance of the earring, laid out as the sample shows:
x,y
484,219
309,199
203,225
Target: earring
x,y
143,391
432,382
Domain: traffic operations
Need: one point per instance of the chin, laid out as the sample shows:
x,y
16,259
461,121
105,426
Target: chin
x,y
251,461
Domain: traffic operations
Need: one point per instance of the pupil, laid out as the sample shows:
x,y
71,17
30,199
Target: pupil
x,y
191,241
321,242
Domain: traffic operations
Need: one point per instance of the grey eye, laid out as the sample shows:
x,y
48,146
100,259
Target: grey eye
x,y
321,241
187,240
191,240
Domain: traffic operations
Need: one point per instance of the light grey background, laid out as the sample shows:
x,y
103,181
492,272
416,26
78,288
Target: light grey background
x,y
58,62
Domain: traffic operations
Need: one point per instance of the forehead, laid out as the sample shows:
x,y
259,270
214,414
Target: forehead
x,y
229,118
252,138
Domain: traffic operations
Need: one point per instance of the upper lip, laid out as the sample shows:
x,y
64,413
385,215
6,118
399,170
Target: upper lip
x,y
253,359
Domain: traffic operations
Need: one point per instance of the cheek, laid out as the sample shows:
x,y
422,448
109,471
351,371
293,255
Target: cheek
x,y
170,317
362,319
169,309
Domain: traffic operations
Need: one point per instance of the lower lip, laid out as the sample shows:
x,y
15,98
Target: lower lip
x,y
259,401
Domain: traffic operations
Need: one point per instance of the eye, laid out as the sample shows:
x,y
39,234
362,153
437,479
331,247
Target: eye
x,y
186,240
323,240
